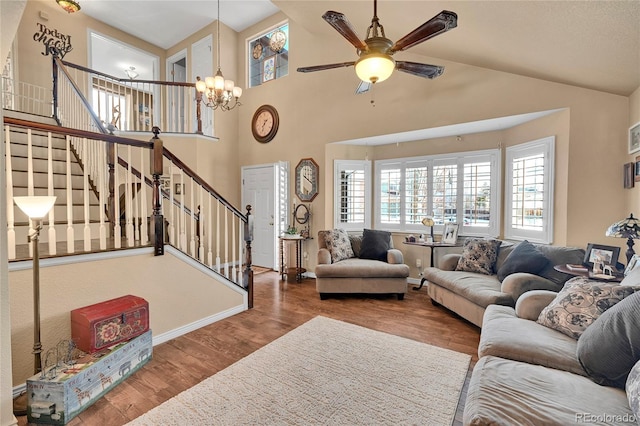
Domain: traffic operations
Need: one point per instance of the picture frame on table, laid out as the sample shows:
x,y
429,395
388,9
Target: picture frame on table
x,y
633,263
606,254
634,138
450,233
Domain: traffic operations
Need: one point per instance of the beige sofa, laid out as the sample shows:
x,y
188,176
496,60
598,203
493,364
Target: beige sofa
x,y
469,293
529,374
357,275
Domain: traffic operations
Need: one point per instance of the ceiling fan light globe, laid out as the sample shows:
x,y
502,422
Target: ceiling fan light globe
x,y
375,67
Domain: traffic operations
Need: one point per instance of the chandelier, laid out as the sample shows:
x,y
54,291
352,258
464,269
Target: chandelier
x,y
69,5
218,92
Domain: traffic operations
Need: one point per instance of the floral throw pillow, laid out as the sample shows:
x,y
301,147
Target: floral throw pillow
x,y
337,241
633,389
479,255
580,302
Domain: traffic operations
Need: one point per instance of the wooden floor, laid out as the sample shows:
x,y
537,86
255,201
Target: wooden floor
x,y
278,308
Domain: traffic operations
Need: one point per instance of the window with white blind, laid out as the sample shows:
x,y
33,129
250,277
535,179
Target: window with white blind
x,y
463,188
352,194
529,197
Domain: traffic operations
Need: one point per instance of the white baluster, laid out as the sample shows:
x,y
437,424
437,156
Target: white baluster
x,y
226,242
117,229
218,236
240,246
201,226
70,233
101,190
11,232
128,203
172,227
144,236
85,193
192,207
233,247
209,214
183,215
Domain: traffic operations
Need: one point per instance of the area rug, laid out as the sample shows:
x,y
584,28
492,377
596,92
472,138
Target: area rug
x,y
326,372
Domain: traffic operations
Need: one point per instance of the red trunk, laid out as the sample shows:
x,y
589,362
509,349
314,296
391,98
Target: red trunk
x,y
105,324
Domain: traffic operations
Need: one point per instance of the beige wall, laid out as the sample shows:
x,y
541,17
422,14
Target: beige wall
x,y
178,295
633,201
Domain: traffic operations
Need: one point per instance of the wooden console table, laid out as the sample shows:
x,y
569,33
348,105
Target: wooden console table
x,y
617,277
432,246
299,270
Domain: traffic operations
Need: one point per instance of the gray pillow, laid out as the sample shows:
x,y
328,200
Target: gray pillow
x,y
524,258
610,347
633,390
375,244
479,255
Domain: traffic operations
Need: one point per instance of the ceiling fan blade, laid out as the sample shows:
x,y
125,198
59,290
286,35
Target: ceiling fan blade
x,y
340,22
421,70
363,87
439,24
325,67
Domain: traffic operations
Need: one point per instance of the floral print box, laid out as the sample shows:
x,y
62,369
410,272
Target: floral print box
x,y
96,327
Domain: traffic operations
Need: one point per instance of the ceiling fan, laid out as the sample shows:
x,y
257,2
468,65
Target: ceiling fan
x,y
375,63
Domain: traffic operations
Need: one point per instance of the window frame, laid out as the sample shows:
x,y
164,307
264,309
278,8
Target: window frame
x,y
493,156
338,167
546,147
249,51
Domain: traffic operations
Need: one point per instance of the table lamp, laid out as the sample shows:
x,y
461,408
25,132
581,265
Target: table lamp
x,y
628,228
428,221
36,207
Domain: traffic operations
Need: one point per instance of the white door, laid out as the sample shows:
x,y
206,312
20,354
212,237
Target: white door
x,y
260,189
176,100
202,66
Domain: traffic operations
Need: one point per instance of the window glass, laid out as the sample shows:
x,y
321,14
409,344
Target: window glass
x,y
269,55
352,194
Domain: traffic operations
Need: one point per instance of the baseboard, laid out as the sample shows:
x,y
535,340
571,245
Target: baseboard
x,y
172,334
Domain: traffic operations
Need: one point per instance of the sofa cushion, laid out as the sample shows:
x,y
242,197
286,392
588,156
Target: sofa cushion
x,y
362,268
525,257
479,255
505,392
337,241
559,255
610,347
633,390
482,290
375,244
580,302
507,336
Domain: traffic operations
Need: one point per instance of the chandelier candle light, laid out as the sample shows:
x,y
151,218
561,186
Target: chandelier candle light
x,y
628,228
218,92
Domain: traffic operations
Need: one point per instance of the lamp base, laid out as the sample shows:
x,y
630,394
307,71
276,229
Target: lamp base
x,y
20,405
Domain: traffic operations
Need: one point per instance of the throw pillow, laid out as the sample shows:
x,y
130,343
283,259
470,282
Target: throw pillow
x,y
479,255
580,302
337,241
375,244
632,278
610,347
524,258
633,389
356,244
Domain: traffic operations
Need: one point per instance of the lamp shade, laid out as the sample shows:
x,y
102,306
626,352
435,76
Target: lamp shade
x,y
428,221
375,67
36,207
626,228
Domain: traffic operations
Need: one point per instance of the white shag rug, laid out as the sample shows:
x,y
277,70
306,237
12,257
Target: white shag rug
x,y
326,372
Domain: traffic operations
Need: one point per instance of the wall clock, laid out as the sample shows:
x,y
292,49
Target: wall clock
x,y
264,124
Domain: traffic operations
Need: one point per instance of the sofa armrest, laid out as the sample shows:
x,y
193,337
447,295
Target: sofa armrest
x,y
533,302
448,262
521,282
395,257
324,257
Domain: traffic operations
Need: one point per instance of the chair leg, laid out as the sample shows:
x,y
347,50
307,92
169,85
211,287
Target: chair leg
x,y
324,296
400,296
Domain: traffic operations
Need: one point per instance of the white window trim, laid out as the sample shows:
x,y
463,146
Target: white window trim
x,y
546,146
248,41
460,159
338,167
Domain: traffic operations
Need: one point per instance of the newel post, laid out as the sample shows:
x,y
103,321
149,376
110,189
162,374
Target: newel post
x,y
247,279
156,221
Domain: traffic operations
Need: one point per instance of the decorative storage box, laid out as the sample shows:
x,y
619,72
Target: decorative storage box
x,y
67,390
104,324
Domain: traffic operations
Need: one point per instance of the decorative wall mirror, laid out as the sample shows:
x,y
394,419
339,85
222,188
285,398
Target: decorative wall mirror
x,y
301,214
307,179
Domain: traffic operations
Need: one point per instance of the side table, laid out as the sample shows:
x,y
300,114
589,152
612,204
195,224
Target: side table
x,y
297,241
432,246
587,273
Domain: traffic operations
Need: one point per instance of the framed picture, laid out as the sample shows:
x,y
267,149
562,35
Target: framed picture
x,y
269,69
637,169
607,254
630,174
634,138
179,189
450,233
633,263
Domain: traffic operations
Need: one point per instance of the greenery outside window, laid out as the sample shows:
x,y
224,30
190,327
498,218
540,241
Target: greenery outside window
x,y
268,55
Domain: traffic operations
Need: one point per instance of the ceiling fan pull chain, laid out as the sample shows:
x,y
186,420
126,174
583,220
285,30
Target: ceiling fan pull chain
x,y
373,99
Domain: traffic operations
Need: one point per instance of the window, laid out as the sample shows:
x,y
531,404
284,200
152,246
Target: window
x,y
463,188
529,196
269,55
352,191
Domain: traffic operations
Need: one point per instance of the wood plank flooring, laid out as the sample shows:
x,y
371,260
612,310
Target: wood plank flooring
x,y
279,307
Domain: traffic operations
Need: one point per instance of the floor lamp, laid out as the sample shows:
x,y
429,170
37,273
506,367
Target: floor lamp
x,y
36,207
